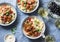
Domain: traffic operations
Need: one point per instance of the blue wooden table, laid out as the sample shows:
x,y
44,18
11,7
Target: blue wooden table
x,y
50,26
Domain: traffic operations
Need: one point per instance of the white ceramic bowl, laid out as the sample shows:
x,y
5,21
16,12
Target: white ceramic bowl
x,y
42,33
9,37
33,9
57,2
15,15
51,13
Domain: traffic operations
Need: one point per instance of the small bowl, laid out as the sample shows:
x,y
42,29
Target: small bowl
x,y
15,15
55,16
5,37
57,2
32,10
42,33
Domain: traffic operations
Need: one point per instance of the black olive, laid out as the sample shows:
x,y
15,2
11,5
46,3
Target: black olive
x,y
54,8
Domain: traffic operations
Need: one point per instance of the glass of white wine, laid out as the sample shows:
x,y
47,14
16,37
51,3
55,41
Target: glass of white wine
x,y
43,12
49,38
57,23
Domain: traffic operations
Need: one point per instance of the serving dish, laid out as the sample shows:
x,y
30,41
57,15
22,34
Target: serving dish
x,y
29,6
8,14
39,29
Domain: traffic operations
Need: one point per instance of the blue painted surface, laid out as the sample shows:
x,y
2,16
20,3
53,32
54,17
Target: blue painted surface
x,y
50,26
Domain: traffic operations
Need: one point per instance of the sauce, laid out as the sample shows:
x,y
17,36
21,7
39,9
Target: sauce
x,y
10,38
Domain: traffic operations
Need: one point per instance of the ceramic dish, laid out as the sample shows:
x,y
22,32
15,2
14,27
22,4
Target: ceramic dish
x,y
54,15
36,30
27,6
57,2
9,38
8,14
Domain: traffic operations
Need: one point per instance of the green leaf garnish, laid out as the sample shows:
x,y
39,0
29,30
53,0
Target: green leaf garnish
x,y
13,30
7,13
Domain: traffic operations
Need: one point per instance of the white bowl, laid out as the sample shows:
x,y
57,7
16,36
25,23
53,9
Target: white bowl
x,y
55,16
42,33
33,9
8,35
57,2
15,15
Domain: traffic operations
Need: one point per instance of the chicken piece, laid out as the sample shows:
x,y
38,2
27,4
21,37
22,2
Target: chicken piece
x,y
36,34
31,7
22,3
29,2
32,1
27,6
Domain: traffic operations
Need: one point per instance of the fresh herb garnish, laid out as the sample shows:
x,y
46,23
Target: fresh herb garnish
x,y
7,13
13,30
38,30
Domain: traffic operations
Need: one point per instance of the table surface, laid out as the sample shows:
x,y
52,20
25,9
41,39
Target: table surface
x,y
50,26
